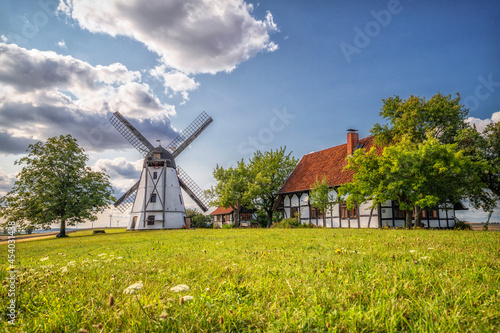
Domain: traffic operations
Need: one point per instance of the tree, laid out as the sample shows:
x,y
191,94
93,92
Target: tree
x,y
55,185
485,147
420,175
320,197
269,171
232,189
415,117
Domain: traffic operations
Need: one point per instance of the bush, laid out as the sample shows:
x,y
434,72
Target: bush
x,y
201,221
228,226
462,225
291,223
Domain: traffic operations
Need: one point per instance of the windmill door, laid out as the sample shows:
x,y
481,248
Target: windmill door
x,y
134,221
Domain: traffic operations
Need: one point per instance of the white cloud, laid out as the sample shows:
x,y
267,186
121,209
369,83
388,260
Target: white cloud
x,y
482,123
175,81
193,36
6,182
44,94
119,168
61,44
4,38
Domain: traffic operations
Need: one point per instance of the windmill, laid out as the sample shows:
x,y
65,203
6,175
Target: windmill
x,y
156,198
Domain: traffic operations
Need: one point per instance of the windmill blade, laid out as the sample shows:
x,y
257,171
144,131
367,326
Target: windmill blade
x,y
127,199
187,136
131,133
193,190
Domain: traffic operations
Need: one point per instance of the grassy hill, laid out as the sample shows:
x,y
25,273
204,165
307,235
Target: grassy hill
x,y
282,280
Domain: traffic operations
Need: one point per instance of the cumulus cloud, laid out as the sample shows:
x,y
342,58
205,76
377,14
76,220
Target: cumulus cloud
x,y
45,94
119,168
6,182
193,36
175,81
482,123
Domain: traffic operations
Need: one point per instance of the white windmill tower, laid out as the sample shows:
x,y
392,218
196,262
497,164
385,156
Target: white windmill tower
x,y
156,199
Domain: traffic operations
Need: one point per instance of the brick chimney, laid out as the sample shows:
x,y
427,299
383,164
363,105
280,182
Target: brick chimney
x,y
352,141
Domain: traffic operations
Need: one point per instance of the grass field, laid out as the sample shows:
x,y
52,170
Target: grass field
x,y
278,280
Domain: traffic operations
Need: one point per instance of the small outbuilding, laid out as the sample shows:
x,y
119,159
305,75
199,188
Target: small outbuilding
x,y
223,216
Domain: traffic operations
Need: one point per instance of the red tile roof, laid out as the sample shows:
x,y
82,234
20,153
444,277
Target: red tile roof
x,y
328,162
222,211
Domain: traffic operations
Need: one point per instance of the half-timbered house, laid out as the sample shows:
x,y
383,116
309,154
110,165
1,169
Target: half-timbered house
x,y
293,197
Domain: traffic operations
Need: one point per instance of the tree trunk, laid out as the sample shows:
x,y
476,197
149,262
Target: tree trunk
x,y
62,231
237,216
409,218
269,218
418,217
324,218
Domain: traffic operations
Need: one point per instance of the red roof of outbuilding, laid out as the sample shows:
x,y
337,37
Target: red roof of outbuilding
x,y
222,210
329,162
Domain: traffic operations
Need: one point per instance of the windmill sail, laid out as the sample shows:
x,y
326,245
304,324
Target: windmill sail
x,y
187,136
193,190
131,133
127,199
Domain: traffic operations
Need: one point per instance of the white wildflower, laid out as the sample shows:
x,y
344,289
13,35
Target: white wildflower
x,y
64,269
424,258
412,251
187,298
179,288
430,248
133,288
102,255
45,258
71,263
119,257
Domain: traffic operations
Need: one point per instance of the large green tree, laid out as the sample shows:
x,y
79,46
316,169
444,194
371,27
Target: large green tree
x,y
55,185
415,175
442,115
269,171
321,198
232,189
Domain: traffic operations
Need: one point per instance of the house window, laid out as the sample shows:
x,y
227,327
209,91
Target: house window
x,y
245,216
315,212
217,218
151,220
346,213
294,211
398,213
155,175
432,213
153,197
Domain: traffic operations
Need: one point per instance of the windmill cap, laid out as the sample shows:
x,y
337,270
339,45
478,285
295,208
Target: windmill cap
x,y
165,156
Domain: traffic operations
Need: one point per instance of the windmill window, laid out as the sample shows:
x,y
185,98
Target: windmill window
x,y
151,220
155,175
180,199
153,197
157,156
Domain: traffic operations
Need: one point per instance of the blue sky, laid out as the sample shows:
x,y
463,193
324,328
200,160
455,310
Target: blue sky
x,y
294,73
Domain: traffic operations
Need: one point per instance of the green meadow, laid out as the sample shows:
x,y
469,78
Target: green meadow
x,y
270,280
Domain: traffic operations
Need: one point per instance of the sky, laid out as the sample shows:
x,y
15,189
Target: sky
x,y
270,74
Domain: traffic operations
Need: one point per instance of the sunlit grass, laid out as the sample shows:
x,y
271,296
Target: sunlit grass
x,y
282,280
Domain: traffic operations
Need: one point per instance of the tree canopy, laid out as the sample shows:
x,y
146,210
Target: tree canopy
x,y
269,171
442,115
232,188
253,184
55,185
